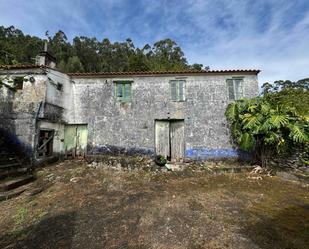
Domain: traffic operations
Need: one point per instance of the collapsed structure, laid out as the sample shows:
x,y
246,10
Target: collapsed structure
x,y
179,115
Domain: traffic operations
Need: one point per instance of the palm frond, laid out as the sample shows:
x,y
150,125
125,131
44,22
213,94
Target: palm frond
x,y
306,118
265,107
279,120
231,112
252,108
297,134
247,141
251,121
265,126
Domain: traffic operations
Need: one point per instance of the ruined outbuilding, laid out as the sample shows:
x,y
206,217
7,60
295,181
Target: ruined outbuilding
x,y
179,115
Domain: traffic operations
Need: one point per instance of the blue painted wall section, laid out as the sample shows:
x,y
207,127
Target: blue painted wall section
x,y
193,154
204,154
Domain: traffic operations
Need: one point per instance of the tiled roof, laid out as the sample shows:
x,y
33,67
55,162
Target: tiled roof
x,y
149,73
137,73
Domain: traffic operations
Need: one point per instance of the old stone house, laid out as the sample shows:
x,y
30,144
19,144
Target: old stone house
x,y
176,114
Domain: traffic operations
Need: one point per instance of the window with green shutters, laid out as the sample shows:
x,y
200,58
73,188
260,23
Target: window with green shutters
x,y
123,90
235,88
178,90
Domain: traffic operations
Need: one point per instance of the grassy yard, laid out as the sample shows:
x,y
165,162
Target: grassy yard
x,y
74,206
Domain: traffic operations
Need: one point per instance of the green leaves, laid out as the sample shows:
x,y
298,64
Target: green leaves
x,y
273,123
278,120
251,121
276,126
297,134
91,55
231,112
247,141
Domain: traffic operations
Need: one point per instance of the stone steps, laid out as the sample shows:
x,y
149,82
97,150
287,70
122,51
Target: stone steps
x,y
13,172
13,193
4,160
6,154
10,165
9,184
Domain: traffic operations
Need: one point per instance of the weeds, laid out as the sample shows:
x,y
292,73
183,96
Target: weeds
x,y
21,216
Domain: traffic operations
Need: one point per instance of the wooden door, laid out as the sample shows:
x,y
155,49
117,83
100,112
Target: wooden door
x,y
75,139
81,140
162,138
177,140
70,137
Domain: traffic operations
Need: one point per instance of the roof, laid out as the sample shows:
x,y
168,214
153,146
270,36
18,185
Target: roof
x,y
153,73
137,73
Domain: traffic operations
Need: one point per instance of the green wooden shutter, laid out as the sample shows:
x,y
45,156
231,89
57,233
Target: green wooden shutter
x,y
119,91
174,90
230,87
127,91
181,90
238,88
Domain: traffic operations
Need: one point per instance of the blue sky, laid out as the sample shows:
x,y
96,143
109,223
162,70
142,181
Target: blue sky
x,y
224,34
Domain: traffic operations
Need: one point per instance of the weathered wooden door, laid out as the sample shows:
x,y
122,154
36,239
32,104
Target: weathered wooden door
x,y
75,139
169,139
177,140
70,137
162,139
81,139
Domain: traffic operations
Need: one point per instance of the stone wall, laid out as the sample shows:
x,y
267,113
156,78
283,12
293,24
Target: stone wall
x,y
44,102
19,108
52,99
59,99
291,159
129,126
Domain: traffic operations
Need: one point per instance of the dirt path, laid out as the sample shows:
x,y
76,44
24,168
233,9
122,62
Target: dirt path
x,y
74,206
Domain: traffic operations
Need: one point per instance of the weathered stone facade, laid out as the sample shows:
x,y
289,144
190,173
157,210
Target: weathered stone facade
x,y
130,126
37,106
54,100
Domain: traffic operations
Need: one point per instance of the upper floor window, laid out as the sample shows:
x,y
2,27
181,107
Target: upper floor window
x,y
178,90
235,88
123,90
59,86
18,83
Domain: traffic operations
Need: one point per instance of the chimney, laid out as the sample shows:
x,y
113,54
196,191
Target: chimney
x,y
45,59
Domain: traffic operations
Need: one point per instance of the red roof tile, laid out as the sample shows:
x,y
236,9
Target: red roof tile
x,y
150,73
136,73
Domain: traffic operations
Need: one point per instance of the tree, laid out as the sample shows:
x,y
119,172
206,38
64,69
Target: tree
x,y
167,55
59,46
196,67
74,65
270,124
16,48
87,50
90,55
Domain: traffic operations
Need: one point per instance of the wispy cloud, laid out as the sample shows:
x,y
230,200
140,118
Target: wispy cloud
x,y
269,35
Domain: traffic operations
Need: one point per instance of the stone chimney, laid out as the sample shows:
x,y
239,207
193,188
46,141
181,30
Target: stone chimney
x,y
45,59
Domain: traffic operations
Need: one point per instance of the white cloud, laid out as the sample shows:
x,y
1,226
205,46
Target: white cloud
x,y
269,35
281,51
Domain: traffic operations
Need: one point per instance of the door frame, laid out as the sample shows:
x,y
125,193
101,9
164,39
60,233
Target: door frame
x,y
75,146
50,143
169,131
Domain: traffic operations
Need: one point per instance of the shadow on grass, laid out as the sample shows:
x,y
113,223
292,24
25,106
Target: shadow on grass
x,y
288,229
51,232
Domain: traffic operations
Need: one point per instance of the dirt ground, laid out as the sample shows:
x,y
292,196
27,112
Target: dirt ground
x,y
74,206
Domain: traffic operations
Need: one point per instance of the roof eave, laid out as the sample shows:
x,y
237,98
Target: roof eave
x,y
150,74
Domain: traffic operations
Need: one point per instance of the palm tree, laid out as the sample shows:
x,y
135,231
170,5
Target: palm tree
x,y
266,129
